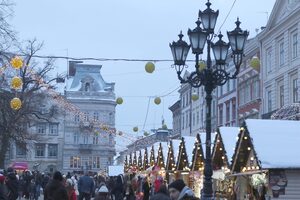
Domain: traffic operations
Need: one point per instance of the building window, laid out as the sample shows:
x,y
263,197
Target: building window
x,y
182,121
21,150
75,162
76,138
95,139
198,117
85,139
41,128
87,87
269,101
221,115
96,162
228,86
280,93
52,150
187,120
269,61
256,88
40,150
233,110
234,84
294,86
86,116
281,53
213,108
183,101
53,129
76,118
227,112
96,116
295,45
194,119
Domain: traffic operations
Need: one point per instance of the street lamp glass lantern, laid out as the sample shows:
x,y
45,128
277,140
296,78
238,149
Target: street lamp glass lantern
x,y
197,38
209,18
237,38
180,50
220,50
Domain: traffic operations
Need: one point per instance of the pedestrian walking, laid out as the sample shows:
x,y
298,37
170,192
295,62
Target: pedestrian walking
x,y
146,188
12,184
71,190
85,187
179,191
3,189
162,194
55,190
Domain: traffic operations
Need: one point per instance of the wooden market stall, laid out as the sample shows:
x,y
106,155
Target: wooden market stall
x,y
225,142
266,161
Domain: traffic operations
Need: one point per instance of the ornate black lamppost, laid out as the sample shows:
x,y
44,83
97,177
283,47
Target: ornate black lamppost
x,y
212,75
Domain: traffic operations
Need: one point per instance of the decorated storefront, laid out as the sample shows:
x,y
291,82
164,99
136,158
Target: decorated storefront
x,y
265,163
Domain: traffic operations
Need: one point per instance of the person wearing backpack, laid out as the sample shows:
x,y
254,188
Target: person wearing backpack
x,y
12,184
55,190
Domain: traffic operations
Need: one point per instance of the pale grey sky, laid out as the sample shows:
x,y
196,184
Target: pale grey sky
x,y
140,29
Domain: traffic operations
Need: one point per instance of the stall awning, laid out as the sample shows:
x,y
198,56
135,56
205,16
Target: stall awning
x,y
19,165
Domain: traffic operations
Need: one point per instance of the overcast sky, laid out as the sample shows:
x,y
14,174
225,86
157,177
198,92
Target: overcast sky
x,y
138,29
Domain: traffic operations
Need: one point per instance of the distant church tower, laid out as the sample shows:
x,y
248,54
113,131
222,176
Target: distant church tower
x,y
87,146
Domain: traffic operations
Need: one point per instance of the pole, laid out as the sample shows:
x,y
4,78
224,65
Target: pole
x,y
207,189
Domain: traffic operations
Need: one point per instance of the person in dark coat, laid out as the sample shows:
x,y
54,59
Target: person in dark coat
x,y
117,191
85,187
55,190
162,194
12,184
179,191
3,189
146,189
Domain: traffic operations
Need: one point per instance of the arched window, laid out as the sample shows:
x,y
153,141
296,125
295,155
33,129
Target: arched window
x,y
87,87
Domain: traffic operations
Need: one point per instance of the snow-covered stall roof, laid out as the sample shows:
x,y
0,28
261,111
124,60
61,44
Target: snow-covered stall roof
x,y
189,146
165,148
276,142
229,136
203,140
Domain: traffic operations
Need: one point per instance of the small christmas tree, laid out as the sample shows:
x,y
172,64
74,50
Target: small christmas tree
x,y
160,157
146,162
182,161
170,160
140,161
197,160
130,160
152,158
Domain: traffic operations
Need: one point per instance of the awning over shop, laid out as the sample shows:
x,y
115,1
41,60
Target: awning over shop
x,y
19,165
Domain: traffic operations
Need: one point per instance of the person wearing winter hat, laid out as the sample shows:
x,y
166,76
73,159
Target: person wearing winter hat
x,y
179,191
55,188
3,190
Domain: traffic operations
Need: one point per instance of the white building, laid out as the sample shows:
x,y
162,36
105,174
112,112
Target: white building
x,y
227,101
193,113
280,53
87,145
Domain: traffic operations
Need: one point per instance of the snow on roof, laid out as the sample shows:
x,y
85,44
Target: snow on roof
x,y
203,140
164,149
276,142
229,135
189,147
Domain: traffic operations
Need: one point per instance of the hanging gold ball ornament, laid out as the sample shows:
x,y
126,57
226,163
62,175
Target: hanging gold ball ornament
x,y
201,65
164,127
15,103
119,100
135,129
16,82
255,63
157,100
16,62
149,67
146,133
195,96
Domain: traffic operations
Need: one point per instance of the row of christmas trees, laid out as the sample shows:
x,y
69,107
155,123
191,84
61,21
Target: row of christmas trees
x,y
138,161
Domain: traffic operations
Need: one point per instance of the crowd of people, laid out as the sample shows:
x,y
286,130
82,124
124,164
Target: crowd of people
x,y
56,186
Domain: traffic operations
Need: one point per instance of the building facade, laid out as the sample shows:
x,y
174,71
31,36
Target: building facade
x,y
227,101
249,84
176,116
87,145
280,52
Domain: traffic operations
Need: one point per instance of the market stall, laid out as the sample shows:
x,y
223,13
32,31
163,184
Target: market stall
x,y
265,162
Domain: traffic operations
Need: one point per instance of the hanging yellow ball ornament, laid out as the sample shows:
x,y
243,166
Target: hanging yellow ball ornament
x,y
150,67
255,63
15,103
157,100
16,62
135,129
164,127
119,100
195,96
146,133
16,82
201,65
